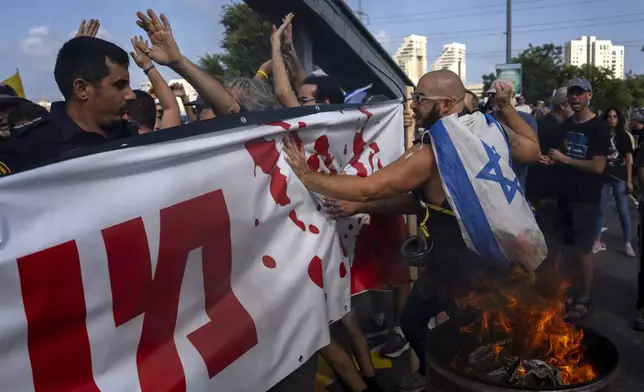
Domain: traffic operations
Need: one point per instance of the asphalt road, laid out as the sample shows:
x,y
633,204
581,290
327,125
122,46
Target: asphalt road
x,y
614,297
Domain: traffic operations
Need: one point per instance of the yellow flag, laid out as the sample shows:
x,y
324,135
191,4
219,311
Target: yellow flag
x,y
16,83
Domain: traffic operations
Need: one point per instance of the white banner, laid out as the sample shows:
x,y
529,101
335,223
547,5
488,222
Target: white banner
x,y
188,265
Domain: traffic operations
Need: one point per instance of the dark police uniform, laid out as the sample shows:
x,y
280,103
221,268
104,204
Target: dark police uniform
x,y
49,138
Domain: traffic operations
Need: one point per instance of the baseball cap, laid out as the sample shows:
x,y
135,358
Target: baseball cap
x,y
11,100
581,83
638,116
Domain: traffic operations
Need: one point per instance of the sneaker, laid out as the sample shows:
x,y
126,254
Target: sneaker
x,y
598,246
638,325
395,346
412,383
629,250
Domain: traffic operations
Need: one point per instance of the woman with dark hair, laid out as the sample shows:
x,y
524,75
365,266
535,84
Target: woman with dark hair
x,y
618,179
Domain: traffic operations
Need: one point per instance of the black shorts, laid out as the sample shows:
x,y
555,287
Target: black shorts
x,y
577,223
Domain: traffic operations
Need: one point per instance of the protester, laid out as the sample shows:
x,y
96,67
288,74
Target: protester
x,y
579,154
541,182
438,94
202,110
241,95
25,113
617,180
521,105
637,127
638,324
92,75
8,100
179,91
471,101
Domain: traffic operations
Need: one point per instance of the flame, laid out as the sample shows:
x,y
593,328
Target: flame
x,y
535,324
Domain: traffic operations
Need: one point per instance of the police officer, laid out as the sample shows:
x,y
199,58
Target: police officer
x,y
8,100
92,74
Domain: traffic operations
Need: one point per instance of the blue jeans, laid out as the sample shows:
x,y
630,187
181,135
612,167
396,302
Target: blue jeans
x,y
621,199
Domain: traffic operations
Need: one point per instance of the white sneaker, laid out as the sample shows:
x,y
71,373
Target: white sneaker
x,y
598,246
629,250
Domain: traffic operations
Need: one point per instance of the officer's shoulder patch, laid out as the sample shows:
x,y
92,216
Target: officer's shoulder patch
x,y
20,130
4,169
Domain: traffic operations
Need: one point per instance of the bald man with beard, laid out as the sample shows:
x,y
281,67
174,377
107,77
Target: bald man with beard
x,y
398,187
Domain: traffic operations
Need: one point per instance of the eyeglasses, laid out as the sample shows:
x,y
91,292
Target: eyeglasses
x,y
304,100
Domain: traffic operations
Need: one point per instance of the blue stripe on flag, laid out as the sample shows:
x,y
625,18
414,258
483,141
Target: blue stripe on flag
x,y
464,196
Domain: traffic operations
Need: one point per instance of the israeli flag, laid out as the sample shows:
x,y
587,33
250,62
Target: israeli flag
x,y
473,158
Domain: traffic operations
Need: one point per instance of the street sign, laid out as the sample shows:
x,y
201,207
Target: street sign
x,y
512,73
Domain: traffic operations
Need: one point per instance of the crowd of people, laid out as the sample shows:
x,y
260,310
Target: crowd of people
x,y
568,159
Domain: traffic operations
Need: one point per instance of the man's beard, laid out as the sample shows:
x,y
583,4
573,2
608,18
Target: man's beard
x,y
432,118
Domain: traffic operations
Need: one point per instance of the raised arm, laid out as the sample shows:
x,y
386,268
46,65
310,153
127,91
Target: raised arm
x,y
171,114
407,173
298,73
165,51
281,84
524,143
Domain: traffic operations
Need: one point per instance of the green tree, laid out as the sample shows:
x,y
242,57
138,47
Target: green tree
x,y
246,43
542,74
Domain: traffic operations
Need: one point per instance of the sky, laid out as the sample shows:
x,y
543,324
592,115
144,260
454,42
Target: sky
x,y
35,29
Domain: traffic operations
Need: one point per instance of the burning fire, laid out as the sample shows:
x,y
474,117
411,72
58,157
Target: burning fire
x,y
535,324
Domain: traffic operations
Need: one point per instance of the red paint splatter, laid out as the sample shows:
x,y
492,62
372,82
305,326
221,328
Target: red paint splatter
x,y
301,124
379,164
315,271
286,126
269,262
374,150
321,147
296,139
350,227
358,146
319,207
314,229
343,270
293,217
256,222
365,111
265,155
314,163
345,149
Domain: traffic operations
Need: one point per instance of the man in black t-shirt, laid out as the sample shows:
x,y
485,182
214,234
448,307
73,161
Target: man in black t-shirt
x,y
579,154
541,183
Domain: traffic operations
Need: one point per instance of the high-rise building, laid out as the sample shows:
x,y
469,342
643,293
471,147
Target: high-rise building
x,y
411,56
600,53
452,58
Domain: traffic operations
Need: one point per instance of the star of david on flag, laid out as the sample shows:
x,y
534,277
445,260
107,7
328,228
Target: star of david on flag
x,y
492,172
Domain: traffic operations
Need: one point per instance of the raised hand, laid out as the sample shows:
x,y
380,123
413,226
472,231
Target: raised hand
x,y
178,90
504,93
276,38
164,48
288,36
88,29
138,55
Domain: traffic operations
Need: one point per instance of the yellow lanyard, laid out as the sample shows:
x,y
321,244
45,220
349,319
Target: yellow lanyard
x,y
428,208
